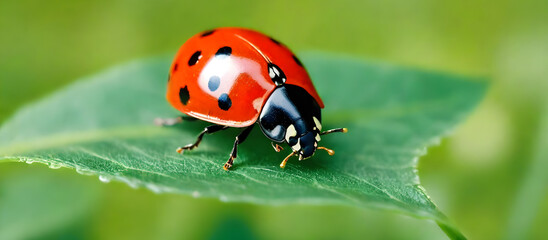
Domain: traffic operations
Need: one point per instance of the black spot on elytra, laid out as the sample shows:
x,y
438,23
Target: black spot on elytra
x,y
275,41
207,33
214,82
297,60
184,95
224,102
173,70
224,52
194,58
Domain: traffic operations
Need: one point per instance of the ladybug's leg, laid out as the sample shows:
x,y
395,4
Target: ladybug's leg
x,y
207,130
276,147
166,122
239,139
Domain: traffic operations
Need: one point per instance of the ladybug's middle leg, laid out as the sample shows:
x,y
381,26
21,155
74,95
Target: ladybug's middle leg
x,y
239,139
207,130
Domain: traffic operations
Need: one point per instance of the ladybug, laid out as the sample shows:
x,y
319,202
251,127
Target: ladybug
x,y
236,77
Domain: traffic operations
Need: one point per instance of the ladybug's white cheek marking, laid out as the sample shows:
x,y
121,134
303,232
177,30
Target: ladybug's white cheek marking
x,y
290,132
318,138
297,146
228,69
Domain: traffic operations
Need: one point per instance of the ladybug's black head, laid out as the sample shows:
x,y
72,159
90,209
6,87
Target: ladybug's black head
x,y
303,136
293,116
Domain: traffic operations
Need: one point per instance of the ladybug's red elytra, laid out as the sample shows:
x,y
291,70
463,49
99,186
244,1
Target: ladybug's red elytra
x,y
236,77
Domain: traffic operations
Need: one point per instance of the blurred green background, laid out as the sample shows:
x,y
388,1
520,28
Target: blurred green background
x,y
487,177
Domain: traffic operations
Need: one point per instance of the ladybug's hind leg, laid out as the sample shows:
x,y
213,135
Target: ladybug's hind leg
x,y
207,130
239,139
166,122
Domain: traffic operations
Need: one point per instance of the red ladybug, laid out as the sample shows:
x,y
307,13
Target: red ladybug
x,y
235,77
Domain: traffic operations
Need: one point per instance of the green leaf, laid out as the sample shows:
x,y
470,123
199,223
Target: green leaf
x,y
103,125
533,189
39,204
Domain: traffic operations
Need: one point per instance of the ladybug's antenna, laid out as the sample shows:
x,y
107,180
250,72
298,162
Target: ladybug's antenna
x,y
282,165
329,151
343,130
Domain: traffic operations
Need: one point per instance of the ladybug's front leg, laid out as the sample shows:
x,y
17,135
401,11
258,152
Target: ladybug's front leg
x,y
207,130
239,139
